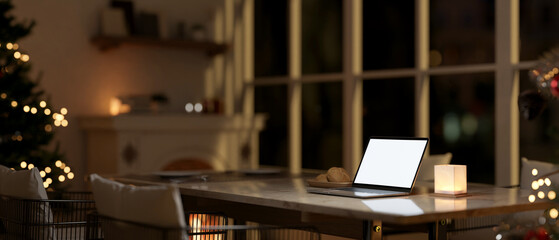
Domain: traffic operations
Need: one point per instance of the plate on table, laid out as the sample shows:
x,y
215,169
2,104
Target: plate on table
x,y
320,184
263,171
176,174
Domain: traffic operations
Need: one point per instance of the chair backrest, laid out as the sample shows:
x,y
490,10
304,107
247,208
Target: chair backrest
x,y
427,169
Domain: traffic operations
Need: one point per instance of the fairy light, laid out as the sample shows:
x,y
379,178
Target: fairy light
x,y
64,111
14,104
534,172
43,174
48,128
48,169
3,95
70,175
49,180
24,57
47,111
61,178
43,104
535,185
54,115
23,164
62,166
26,108
541,195
553,213
547,182
64,123
17,55
30,166
59,117
540,182
9,46
33,110
45,185
67,169
58,163
551,195
15,46
57,123
531,198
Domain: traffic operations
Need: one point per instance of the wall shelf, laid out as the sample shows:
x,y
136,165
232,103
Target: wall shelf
x,y
105,43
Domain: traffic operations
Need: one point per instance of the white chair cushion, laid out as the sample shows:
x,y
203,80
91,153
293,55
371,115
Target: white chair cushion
x,y
526,177
153,205
427,169
22,184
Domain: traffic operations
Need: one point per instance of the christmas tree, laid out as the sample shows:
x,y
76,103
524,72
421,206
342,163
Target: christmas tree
x,y
27,120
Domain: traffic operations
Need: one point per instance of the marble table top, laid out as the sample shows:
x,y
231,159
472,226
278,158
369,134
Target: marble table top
x,y
421,207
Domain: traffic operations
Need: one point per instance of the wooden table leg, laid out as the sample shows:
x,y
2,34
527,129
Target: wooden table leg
x,y
372,230
438,230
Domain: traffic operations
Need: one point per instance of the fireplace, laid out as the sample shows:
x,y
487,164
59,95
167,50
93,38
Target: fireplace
x,y
138,143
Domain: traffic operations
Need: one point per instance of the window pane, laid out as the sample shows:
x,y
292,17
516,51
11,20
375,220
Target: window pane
x,y
539,137
462,122
322,125
462,32
270,38
322,36
388,108
539,22
388,34
272,100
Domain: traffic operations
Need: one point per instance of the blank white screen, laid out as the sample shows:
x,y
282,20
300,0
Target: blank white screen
x,y
391,162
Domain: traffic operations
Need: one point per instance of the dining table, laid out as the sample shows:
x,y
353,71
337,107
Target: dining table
x,y
280,198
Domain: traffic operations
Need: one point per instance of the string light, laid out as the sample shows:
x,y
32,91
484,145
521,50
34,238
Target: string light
x,y
49,180
33,110
26,108
24,57
3,95
45,185
30,166
541,194
23,164
540,182
64,123
43,174
551,195
70,175
534,172
58,163
61,178
14,104
47,111
48,170
43,104
15,46
60,117
9,46
17,55
67,169
48,128
535,185
547,182
531,198
57,123
553,213
64,111
54,116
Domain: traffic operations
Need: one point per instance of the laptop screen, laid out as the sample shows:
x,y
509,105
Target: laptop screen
x,y
391,162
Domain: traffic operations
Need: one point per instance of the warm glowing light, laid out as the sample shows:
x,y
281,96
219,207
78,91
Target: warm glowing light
x,y
58,163
547,181
551,195
540,182
25,57
64,111
61,178
541,194
553,213
14,104
64,123
43,174
17,55
189,107
9,46
117,107
15,46
3,95
43,104
535,185
70,175
534,172
57,123
48,128
19,138
59,117
30,166
48,170
62,166
198,107
47,111
499,236
33,110
67,169
49,180
54,116
23,164
45,185
450,179
532,198
26,108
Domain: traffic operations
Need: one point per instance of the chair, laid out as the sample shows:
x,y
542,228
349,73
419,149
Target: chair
x,y
427,169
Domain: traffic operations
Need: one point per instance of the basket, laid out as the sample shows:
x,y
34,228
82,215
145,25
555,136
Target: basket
x,y
62,217
112,229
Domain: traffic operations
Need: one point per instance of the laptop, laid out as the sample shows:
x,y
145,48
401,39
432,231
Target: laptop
x,y
388,168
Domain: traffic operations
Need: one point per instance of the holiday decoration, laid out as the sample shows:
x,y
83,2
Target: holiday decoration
x,y
27,120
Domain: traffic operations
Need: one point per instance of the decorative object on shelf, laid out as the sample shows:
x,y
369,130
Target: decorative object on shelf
x,y
28,120
451,180
127,7
137,104
147,25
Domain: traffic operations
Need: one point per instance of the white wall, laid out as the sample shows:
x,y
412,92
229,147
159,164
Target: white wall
x,y
82,78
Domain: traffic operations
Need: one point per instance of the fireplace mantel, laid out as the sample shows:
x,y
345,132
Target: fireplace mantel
x,y
143,143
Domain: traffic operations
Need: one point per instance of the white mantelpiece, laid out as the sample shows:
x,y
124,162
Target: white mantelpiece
x,y
138,143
